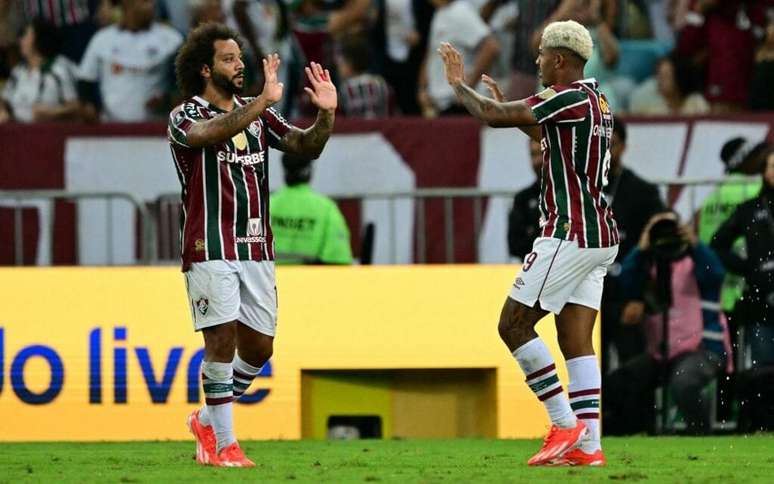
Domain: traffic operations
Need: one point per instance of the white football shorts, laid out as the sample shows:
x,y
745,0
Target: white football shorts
x,y
220,291
558,272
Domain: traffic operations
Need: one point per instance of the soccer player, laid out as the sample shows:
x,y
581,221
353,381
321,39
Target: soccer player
x,y
564,272
219,143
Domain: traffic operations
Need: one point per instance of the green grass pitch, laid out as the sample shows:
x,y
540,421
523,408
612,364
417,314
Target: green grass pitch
x,y
635,459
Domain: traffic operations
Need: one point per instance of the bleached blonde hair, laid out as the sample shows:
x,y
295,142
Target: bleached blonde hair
x,y
568,34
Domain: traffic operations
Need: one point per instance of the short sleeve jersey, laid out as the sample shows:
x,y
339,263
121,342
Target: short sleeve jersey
x,y
576,126
131,68
225,186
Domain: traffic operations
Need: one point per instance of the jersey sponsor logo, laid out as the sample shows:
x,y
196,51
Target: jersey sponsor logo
x,y
254,227
240,140
247,160
606,131
251,240
203,304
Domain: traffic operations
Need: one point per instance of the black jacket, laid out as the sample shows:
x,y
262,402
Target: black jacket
x,y
524,221
634,202
753,220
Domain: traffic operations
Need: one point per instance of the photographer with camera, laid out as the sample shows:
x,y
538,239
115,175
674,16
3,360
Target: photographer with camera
x,y
754,220
672,278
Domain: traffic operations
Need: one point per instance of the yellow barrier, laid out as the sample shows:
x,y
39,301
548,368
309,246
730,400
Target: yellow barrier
x,y
110,354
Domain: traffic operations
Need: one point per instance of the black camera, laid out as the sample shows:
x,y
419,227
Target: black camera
x,y
665,241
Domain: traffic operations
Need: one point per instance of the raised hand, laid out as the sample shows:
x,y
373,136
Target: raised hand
x,y
323,92
272,88
452,63
491,84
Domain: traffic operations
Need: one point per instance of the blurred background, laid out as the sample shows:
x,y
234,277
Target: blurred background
x,y
86,180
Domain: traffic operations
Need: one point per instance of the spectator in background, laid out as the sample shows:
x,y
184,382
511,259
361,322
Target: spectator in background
x,y
316,24
673,91
42,87
720,36
524,217
698,340
127,67
501,16
264,24
742,158
308,227
631,214
754,220
361,94
9,31
533,17
396,40
761,93
457,22
206,11
74,19
604,58
177,13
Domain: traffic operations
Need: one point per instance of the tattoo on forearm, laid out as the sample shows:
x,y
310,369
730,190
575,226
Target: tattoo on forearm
x,y
311,141
476,104
235,120
493,112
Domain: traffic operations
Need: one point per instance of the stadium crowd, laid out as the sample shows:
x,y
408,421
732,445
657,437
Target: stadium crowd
x,y
112,59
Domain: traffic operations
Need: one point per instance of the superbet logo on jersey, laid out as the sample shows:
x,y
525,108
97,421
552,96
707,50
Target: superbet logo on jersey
x,y
245,160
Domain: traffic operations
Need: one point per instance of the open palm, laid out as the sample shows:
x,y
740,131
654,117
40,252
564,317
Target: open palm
x,y
272,88
323,92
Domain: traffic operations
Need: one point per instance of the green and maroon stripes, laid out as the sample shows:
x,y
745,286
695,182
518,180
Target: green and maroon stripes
x,y
545,382
242,382
576,160
224,186
585,403
217,392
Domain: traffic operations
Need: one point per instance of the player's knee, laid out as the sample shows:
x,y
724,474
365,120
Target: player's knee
x,y
515,323
220,342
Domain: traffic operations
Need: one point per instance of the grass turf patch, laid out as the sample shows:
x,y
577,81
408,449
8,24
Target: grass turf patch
x,y
735,459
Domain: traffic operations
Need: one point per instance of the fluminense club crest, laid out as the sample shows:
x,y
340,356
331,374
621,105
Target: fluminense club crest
x,y
203,304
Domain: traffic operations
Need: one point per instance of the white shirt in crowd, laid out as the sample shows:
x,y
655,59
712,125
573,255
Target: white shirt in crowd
x,y
51,85
461,25
399,24
131,68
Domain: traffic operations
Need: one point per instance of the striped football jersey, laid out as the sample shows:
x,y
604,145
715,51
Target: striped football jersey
x,y
225,186
576,126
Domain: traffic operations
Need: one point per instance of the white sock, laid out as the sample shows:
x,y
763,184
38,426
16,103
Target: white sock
x,y
244,374
218,383
585,390
538,365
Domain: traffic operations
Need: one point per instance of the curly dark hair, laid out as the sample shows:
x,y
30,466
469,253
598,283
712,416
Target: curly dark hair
x,y
197,51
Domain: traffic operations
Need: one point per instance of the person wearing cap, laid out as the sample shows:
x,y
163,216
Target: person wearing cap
x,y
308,226
564,273
741,158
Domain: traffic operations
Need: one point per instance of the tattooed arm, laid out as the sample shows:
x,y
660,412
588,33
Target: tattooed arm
x,y
494,113
216,130
310,142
